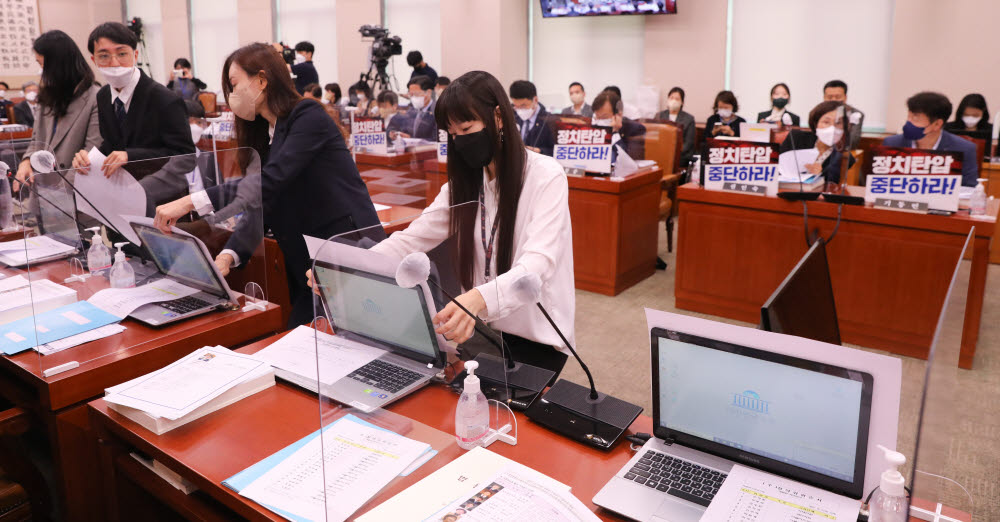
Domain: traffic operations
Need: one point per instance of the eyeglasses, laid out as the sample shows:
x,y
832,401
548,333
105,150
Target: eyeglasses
x,y
121,57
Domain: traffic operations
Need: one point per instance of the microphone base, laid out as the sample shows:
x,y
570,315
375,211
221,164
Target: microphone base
x,y
843,199
798,196
517,387
568,409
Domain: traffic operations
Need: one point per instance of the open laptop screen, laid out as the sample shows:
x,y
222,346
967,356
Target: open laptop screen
x,y
375,307
180,258
57,214
791,416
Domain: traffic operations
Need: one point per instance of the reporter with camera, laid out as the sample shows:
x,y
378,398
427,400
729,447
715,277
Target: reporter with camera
x,y
183,82
303,69
420,68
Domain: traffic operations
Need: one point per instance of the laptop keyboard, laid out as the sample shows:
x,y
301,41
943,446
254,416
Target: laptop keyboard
x,y
184,305
677,477
385,376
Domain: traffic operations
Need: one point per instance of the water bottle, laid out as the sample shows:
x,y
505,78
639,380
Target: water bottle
x,y
472,416
977,202
889,503
98,255
122,274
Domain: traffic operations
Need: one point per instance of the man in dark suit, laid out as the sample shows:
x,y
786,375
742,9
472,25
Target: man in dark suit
x,y
926,115
630,134
139,118
420,68
303,69
419,121
24,112
535,123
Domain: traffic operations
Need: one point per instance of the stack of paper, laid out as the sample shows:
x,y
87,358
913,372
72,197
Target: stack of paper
x,y
294,357
329,478
36,249
17,300
207,380
792,173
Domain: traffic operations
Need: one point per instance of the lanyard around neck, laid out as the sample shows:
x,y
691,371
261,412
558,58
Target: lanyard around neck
x,y
487,247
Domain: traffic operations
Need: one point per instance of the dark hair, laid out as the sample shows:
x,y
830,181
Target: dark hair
x,y
975,101
442,80
305,47
5,86
113,31
65,75
182,62
818,111
194,109
607,96
362,87
835,84
577,84
335,89
781,84
522,90
413,58
424,82
678,90
388,97
314,89
614,89
931,104
477,95
281,95
726,97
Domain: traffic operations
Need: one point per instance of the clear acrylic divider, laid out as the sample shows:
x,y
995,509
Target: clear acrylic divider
x,y
936,476
383,370
80,307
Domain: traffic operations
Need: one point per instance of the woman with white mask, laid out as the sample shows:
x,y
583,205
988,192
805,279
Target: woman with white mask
x,y
826,136
675,113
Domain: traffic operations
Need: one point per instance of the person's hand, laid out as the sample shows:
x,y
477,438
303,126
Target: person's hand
x,y
187,74
113,162
727,130
814,168
81,162
453,323
23,176
223,262
533,149
167,214
309,281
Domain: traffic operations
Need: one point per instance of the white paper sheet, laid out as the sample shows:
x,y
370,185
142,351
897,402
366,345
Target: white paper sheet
x,y
297,353
78,339
116,196
120,302
749,495
792,164
357,461
379,208
22,251
180,388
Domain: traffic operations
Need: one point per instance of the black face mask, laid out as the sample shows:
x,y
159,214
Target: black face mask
x,y
779,103
475,148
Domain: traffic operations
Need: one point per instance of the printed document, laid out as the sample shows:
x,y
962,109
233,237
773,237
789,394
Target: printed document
x,y
749,495
116,196
356,460
180,388
792,165
78,339
120,302
298,351
20,252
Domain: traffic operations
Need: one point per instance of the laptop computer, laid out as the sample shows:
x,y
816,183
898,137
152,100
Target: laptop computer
x,y
183,258
716,404
371,309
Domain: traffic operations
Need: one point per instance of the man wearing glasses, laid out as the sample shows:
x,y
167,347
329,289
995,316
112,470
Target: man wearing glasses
x,y
139,118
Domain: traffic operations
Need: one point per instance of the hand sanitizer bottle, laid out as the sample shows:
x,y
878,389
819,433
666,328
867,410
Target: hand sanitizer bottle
x,y
472,416
977,202
98,255
6,206
889,502
122,275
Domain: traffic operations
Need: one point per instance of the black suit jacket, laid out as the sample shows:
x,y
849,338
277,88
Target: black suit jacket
x,y
633,136
542,134
156,125
309,185
305,73
23,114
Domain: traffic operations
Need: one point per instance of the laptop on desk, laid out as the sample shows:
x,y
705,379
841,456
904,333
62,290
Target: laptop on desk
x,y
716,404
57,224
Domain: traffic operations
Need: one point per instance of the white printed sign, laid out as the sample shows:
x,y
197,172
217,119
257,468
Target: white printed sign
x,y
584,147
367,135
913,193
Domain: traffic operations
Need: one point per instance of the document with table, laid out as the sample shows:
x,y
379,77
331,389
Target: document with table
x,y
749,495
294,356
21,252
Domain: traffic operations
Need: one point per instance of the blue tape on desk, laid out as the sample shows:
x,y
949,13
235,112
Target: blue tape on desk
x,y
60,323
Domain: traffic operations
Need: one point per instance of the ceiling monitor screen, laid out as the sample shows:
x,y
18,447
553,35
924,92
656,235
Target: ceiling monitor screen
x,y
569,8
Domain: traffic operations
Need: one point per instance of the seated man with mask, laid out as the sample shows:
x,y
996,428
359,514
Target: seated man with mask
x,y
627,133
388,109
419,122
534,122
926,115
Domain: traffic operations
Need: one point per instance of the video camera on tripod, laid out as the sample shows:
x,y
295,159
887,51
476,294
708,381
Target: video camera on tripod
x,y
383,48
287,53
135,25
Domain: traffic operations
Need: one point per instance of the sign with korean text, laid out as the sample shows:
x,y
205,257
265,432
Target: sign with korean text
x,y
18,29
367,134
913,180
742,166
442,144
583,146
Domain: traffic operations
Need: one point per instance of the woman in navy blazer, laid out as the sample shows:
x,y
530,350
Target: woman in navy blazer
x,y
309,183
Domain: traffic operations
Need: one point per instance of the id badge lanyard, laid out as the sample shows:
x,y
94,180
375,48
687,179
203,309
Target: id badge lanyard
x,y
487,247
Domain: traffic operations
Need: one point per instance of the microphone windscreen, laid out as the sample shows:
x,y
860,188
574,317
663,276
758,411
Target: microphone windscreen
x,y
43,161
527,288
786,119
413,270
4,168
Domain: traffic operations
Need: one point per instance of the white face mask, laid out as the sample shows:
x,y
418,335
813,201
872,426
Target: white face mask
x,y
577,98
829,135
196,132
3,94
602,122
524,114
117,77
31,96
674,105
437,92
362,99
724,113
970,121
299,59
417,102
324,101
240,102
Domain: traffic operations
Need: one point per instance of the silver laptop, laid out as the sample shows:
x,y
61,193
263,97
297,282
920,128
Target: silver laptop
x,y
716,404
372,309
184,259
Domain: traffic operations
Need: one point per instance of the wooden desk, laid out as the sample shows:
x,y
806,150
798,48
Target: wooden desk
x,y
59,402
889,269
12,235
991,171
615,227
395,160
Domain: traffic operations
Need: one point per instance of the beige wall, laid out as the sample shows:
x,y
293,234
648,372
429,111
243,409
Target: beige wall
x,y
176,36
254,21
947,47
486,35
352,52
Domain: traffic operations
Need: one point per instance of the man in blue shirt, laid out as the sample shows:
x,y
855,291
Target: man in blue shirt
x,y
534,122
420,68
303,69
926,115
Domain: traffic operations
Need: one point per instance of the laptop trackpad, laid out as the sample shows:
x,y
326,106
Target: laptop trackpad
x,y
677,510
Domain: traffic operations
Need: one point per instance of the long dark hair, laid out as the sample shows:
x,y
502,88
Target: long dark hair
x,y
65,75
477,95
280,91
976,101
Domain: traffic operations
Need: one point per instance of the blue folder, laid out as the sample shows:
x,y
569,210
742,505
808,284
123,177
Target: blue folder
x,y
60,323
